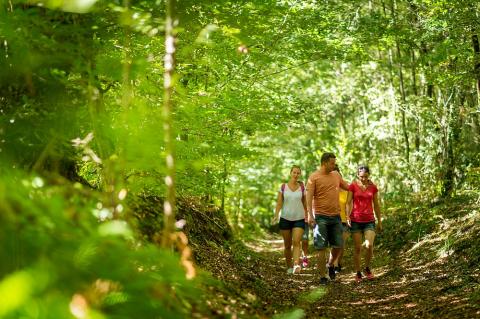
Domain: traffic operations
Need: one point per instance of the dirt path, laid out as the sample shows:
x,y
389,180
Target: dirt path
x,y
402,288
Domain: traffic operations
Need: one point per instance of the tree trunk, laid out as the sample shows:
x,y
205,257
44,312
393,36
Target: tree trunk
x,y
415,92
404,105
169,64
429,86
453,140
476,68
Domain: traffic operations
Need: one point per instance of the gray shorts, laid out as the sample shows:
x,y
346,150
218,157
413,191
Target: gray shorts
x,y
328,232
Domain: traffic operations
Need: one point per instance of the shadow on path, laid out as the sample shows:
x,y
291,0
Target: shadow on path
x,y
401,288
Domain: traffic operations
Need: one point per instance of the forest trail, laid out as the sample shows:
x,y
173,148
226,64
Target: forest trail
x,y
401,288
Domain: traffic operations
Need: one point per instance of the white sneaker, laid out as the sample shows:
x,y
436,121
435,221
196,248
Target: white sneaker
x,y
296,269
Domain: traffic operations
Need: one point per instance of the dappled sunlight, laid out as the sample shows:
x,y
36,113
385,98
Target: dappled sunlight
x,y
267,243
313,295
399,287
266,246
79,306
383,300
366,244
145,148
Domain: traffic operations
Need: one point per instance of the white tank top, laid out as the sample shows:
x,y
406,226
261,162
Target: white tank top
x,y
292,208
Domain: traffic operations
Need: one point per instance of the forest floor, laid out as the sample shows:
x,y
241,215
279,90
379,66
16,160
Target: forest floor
x,y
430,268
402,288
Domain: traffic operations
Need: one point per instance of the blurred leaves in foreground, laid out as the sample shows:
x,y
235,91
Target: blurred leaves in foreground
x,y
59,260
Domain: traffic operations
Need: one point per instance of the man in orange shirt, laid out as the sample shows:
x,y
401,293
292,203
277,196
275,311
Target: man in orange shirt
x,y
324,212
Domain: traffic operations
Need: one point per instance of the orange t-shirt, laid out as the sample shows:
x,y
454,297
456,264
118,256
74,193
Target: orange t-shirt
x,y
325,190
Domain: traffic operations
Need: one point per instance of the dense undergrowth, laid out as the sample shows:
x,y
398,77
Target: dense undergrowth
x,y
65,253
449,226
441,234
227,268
68,250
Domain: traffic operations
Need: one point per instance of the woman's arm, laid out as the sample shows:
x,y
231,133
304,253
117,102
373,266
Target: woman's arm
x,y
276,217
378,214
305,209
348,207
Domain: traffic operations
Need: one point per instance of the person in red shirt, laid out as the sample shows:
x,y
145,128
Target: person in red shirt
x,y
362,203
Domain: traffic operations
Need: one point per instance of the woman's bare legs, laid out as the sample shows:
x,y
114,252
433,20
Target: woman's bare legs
x,y
357,247
287,242
297,234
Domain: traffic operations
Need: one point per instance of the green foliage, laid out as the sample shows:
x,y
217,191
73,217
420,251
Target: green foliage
x,y
59,260
259,86
445,227
314,295
294,314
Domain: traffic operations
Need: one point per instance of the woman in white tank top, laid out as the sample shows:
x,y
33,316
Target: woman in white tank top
x,y
291,203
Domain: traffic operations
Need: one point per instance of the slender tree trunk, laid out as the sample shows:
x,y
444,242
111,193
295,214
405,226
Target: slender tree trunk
x,y
403,120
224,181
453,139
403,117
127,64
413,17
169,64
404,105
476,59
429,87
415,92
238,210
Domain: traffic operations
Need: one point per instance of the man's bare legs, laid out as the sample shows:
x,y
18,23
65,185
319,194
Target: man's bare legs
x,y
305,252
338,262
322,259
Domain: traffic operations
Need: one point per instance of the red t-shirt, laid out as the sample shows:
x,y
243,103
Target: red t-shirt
x,y
362,211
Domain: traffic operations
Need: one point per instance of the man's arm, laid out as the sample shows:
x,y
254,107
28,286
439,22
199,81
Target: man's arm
x,y
304,202
342,184
310,191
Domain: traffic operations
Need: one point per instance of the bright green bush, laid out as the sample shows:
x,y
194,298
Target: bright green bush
x,y
61,261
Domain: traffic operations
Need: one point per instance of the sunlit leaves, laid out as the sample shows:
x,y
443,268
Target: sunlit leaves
x,y
205,34
77,6
15,290
79,265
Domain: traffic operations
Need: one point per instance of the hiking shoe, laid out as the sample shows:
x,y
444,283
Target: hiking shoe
x,y
305,262
323,281
338,268
358,277
331,272
368,273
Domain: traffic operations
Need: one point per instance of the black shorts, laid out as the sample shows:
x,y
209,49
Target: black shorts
x,y
290,224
